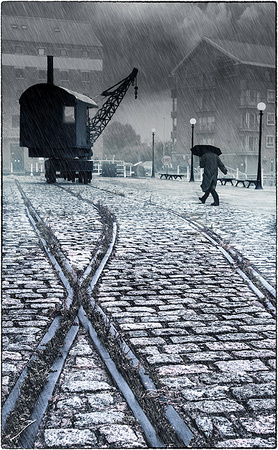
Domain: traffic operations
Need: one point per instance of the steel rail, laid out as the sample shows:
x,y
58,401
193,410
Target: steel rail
x,y
28,435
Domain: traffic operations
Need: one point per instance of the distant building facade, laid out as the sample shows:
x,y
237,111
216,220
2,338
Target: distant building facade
x,y
220,83
26,42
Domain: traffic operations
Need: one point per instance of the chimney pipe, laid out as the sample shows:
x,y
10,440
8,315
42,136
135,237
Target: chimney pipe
x,y
50,72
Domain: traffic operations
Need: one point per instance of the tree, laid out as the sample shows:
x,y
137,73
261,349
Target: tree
x,y
118,139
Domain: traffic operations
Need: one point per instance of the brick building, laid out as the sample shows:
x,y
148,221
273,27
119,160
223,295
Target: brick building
x,y
26,42
220,84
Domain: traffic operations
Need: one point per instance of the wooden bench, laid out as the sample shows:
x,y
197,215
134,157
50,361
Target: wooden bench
x,y
171,176
224,181
246,183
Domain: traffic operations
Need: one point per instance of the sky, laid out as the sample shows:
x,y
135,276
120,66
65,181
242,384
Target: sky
x,y
155,37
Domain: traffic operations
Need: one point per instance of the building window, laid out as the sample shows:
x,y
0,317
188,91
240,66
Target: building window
x,y
64,75
15,121
243,84
252,143
42,74
208,80
271,96
42,51
19,72
64,52
207,100
269,141
249,121
207,141
249,97
270,119
85,76
206,123
267,75
69,114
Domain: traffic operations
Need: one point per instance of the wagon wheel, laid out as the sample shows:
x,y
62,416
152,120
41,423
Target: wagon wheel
x,y
85,177
50,176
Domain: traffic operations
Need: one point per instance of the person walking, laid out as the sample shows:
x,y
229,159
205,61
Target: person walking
x,y
210,162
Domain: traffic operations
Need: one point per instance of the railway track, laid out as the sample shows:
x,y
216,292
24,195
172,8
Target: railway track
x,y
61,335
262,288
164,427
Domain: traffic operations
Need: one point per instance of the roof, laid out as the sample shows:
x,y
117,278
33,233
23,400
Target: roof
x,y
80,97
241,52
49,89
43,30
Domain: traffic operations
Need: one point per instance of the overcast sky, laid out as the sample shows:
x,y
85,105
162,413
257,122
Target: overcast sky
x,y
154,37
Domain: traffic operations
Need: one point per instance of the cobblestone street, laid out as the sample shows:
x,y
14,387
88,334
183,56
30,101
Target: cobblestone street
x,y
206,339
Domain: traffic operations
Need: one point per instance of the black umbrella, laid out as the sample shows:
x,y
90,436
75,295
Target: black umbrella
x,y
199,150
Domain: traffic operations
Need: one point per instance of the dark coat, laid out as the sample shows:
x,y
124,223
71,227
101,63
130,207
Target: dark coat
x,y
211,162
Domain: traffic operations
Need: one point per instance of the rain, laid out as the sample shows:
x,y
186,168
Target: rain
x,y
155,37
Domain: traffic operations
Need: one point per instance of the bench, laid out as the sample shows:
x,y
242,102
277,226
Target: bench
x,y
171,176
246,183
224,181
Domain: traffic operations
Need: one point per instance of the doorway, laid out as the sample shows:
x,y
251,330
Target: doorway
x,y
17,158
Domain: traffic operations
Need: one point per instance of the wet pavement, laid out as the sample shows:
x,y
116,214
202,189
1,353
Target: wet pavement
x,y
194,324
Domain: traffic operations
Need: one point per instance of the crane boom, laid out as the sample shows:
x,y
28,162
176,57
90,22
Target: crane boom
x,y
105,114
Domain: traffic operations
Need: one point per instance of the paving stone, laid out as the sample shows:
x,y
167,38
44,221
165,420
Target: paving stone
x,y
257,404
260,424
209,425
177,382
69,437
124,435
247,443
80,386
214,406
255,354
254,390
99,417
207,356
100,401
205,393
241,366
182,369
72,402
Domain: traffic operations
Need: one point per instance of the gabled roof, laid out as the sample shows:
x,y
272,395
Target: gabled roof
x,y
240,52
42,30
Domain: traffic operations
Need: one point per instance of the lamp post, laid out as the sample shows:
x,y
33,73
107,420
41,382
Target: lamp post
x,y
153,131
261,107
192,121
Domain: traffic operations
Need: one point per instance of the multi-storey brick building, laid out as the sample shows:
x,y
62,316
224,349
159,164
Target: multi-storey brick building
x,y
220,84
26,42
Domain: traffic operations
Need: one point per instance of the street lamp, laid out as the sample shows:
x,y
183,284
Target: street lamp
x,y
192,121
261,107
153,131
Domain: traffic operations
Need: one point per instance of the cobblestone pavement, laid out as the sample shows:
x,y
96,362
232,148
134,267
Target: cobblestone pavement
x,y
246,218
86,409
30,288
191,320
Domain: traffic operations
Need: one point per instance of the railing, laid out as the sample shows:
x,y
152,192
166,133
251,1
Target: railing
x,y
236,173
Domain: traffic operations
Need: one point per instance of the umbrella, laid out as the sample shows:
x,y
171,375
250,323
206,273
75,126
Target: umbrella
x,y
199,150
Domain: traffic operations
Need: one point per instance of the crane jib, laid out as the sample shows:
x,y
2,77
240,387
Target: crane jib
x,y
104,115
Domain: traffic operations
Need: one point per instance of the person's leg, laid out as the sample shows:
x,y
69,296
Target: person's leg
x,y
205,196
215,197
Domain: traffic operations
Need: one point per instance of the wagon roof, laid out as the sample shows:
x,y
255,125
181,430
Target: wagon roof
x,y
50,90
80,97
